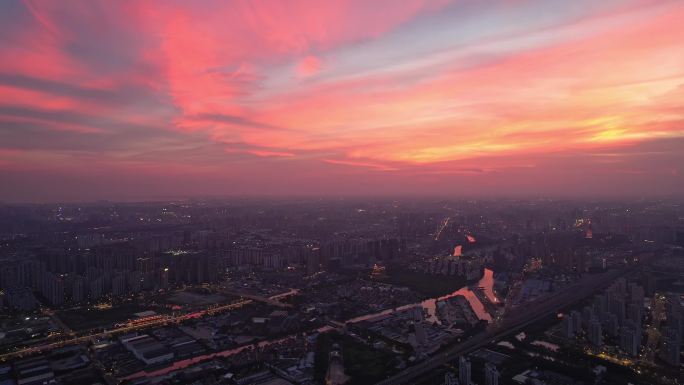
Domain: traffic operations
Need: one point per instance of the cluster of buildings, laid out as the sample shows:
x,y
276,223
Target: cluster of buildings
x,y
284,362
68,365
116,269
491,374
133,352
16,332
407,329
347,299
619,317
59,257
456,312
617,313
672,331
313,256
77,278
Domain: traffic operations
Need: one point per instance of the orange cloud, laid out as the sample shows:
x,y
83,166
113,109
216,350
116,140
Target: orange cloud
x,y
415,89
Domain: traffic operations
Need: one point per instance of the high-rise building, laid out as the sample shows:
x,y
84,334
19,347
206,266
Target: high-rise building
x,y
119,285
145,265
650,283
97,288
133,281
313,261
587,315
52,289
212,265
20,298
612,325
595,333
464,371
450,379
617,306
637,294
78,290
675,314
491,375
576,321
600,304
670,347
676,321
629,340
164,278
568,326
635,312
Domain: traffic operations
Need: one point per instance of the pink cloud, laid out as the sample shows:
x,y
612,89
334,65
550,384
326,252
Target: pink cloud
x,y
337,87
277,154
308,66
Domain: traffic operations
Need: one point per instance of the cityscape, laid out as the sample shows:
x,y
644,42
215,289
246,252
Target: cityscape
x,y
345,291
341,192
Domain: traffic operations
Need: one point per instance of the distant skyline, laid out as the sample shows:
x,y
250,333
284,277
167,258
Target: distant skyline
x,y
133,100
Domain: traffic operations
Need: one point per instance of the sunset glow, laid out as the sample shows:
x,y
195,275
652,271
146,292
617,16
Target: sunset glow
x,y
134,100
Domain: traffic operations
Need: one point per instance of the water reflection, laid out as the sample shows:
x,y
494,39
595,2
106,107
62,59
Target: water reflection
x,y
486,283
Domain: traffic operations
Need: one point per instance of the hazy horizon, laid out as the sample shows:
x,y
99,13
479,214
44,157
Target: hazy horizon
x,y
352,198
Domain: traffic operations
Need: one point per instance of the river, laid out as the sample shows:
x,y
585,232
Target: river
x,y
486,282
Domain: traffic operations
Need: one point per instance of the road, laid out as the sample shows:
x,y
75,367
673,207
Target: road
x,y
166,320
442,226
121,330
533,312
537,309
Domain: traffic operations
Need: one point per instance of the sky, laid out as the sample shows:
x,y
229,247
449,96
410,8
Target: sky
x,y
142,100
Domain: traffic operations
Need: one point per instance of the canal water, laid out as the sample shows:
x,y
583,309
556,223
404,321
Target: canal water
x,y
430,305
486,282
